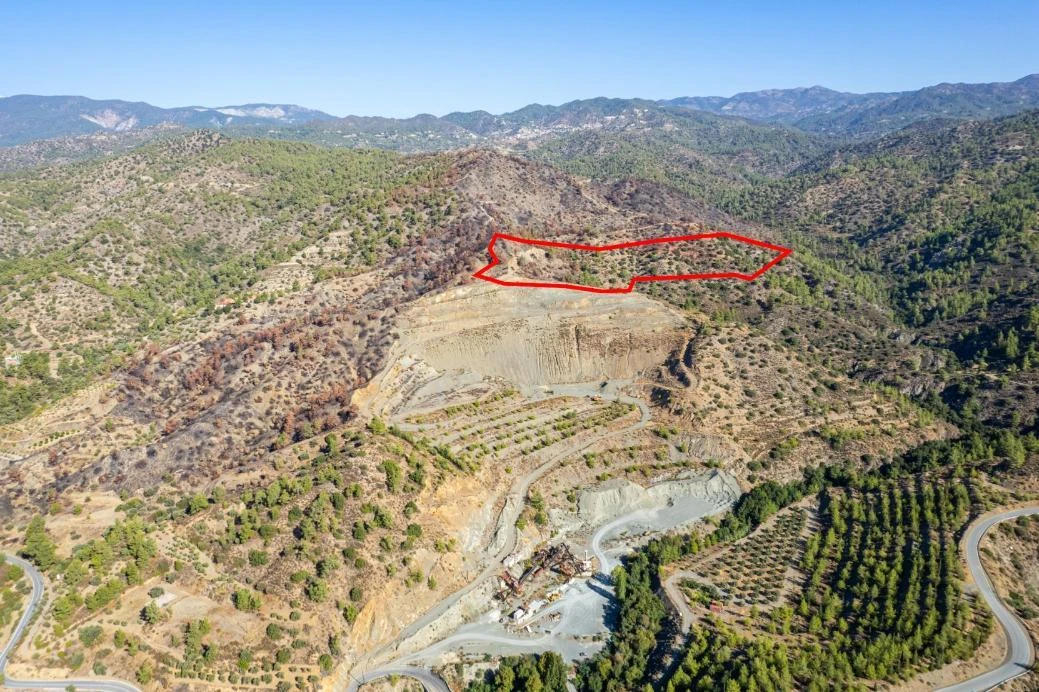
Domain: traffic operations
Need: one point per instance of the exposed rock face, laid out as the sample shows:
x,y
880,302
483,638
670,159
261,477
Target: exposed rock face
x,y
620,496
541,336
547,351
110,120
706,448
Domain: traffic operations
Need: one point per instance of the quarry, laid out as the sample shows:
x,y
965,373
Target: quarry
x,y
527,439
621,394
539,387
535,437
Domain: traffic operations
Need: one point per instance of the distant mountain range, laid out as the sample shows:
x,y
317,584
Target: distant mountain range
x,y
26,118
815,110
818,109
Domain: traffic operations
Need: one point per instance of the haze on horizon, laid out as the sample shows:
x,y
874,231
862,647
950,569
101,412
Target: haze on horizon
x,y
407,58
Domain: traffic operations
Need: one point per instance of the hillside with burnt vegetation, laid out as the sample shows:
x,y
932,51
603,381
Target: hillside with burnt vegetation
x,y
259,423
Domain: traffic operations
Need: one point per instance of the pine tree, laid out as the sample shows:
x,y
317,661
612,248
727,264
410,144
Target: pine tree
x,y
39,548
1011,347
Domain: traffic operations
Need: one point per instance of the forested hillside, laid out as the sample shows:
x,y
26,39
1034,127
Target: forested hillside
x,y
103,256
872,609
818,109
936,224
705,156
881,600
944,221
26,118
42,128
206,331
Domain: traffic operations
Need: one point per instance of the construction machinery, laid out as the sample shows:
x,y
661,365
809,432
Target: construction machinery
x,y
557,558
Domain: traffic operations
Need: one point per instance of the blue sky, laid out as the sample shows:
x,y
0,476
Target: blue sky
x,y
402,58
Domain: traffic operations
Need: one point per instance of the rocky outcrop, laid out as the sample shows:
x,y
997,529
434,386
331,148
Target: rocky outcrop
x,y
541,336
620,496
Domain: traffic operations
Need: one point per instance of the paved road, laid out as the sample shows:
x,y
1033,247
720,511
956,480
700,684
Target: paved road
x,y
19,631
1020,652
514,504
505,523
34,601
430,680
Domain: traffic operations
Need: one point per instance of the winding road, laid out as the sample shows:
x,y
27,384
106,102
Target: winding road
x,y
1018,661
430,680
1020,650
99,684
506,526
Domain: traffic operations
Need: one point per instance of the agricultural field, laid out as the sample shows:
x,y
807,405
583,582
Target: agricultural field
x,y
646,459
757,570
63,426
505,427
878,592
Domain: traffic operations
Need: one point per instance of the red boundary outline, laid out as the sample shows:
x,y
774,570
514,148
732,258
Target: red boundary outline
x,y
783,252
